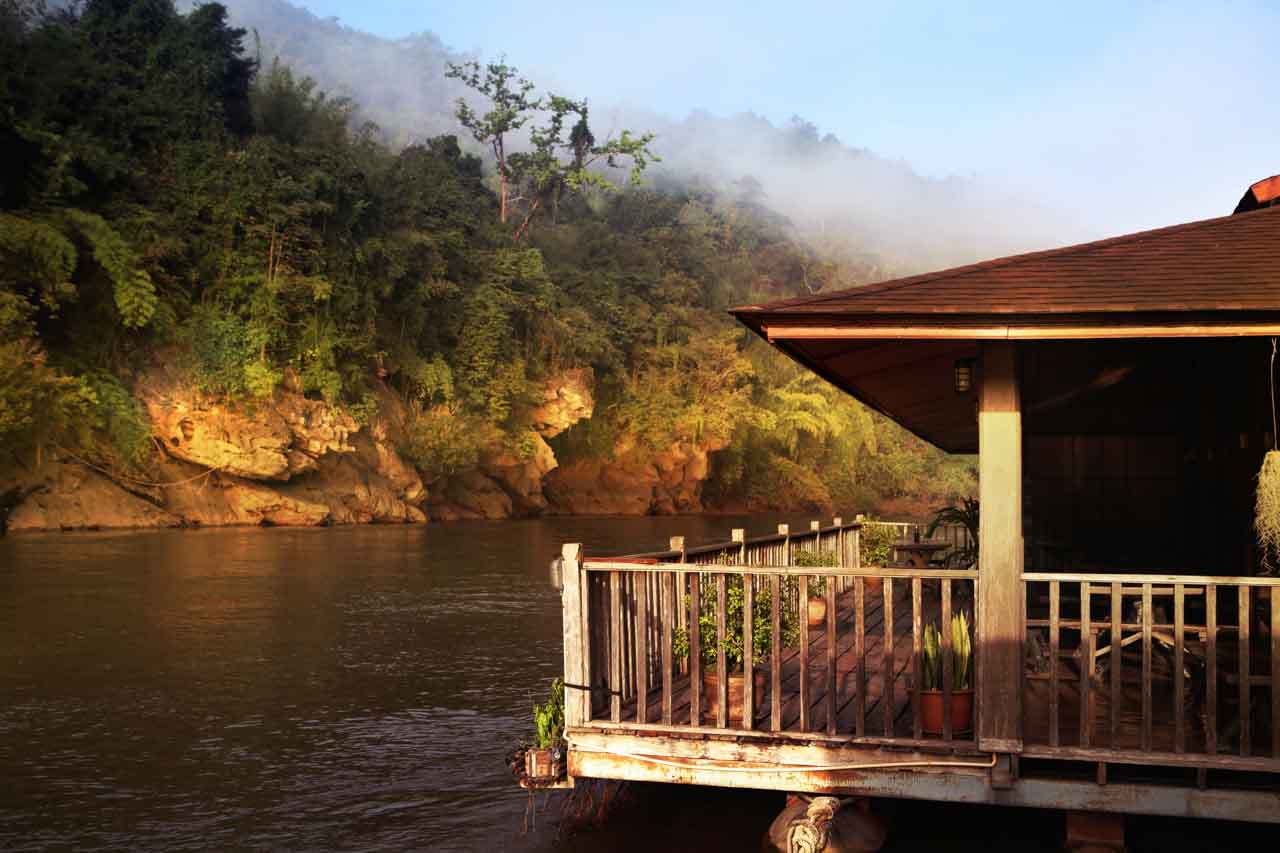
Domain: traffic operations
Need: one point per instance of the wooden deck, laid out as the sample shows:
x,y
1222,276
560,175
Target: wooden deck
x,y
885,707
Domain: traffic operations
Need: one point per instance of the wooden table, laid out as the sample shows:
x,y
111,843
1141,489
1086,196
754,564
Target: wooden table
x,y
919,553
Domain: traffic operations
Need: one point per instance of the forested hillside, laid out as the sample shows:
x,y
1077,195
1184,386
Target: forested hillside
x,y
224,299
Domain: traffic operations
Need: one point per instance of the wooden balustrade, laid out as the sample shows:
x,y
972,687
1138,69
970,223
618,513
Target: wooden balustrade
x,y
1179,670
851,677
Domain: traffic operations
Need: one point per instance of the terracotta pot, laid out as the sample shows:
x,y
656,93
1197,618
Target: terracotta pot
x,y
817,611
931,711
871,586
541,764
711,696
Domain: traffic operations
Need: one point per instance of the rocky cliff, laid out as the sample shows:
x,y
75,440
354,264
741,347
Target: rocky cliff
x,y
291,460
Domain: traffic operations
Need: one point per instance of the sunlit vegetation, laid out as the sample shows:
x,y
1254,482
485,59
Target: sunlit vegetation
x,y
165,197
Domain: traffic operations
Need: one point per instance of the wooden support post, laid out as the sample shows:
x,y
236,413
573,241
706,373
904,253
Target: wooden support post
x,y
1211,669
668,638
1242,669
1116,657
775,654
1179,664
615,646
676,543
784,530
802,613
1054,635
748,636
577,700
1001,598
642,647
916,674
887,661
722,662
1146,667
1086,665
695,650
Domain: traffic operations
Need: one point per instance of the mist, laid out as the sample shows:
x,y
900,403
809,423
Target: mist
x,y
1105,149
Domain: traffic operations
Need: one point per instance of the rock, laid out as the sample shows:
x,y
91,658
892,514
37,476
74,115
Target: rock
x,y
521,475
634,482
469,494
567,399
69,496
273,440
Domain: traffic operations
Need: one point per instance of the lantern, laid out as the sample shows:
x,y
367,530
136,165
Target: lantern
x,y
964,375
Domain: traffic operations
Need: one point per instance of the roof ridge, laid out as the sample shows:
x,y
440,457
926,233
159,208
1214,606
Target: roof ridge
x,y
1009,260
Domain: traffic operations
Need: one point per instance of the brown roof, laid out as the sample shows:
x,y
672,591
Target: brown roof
x,y
1227,264
893,344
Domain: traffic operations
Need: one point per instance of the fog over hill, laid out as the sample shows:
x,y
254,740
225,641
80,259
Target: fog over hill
x,y
844,199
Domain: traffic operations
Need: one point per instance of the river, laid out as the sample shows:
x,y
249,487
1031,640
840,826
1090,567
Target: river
x,y
319,689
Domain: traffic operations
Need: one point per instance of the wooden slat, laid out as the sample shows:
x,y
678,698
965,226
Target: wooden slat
x,y
669,611
860,656
1246,747
802,612
948,674
1211,671
748,651
916,674
886,651
1086,666
615,646
1054,616
831,655
775,656
1146,667
1117,653
695,649
642,651
1275,673
722,663
1179,665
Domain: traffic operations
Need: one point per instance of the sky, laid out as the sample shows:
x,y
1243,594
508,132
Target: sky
x,y
1126,115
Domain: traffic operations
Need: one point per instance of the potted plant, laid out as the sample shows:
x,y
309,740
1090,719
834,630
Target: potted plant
x,y
931,695
817,604
761,641
965,513
875,549
545,759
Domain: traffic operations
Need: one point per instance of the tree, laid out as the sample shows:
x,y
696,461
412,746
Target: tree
x,y
554,162
511,106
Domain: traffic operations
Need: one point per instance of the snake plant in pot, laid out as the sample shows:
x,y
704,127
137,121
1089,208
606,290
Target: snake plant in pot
x,y
932,697
545,759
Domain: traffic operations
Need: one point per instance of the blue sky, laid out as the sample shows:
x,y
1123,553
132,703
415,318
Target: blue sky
x,y
1133,114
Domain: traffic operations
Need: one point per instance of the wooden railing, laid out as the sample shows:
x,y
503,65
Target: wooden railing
x,y
851,677
1176,670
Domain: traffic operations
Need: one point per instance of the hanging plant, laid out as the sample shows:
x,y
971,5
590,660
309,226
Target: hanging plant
x,y
1267,507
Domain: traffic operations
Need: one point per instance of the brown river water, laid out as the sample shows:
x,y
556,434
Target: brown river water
x,y
344,689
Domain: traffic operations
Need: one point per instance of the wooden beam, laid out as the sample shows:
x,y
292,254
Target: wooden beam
x,y
997,332
1001,620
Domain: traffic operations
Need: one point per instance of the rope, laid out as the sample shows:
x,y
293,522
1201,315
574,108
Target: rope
x,y
757,767
117,476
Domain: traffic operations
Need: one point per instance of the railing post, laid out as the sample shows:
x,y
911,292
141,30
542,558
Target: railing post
x,y
676,543
784,530
857,541
577,700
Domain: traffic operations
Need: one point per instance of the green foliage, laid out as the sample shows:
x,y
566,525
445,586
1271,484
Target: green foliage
x,y
966,513
875,543
441,442
961,655
735,607
121,418
159,191
548,718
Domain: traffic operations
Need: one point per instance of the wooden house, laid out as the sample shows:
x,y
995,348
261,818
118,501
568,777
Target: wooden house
x,y
1126,640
